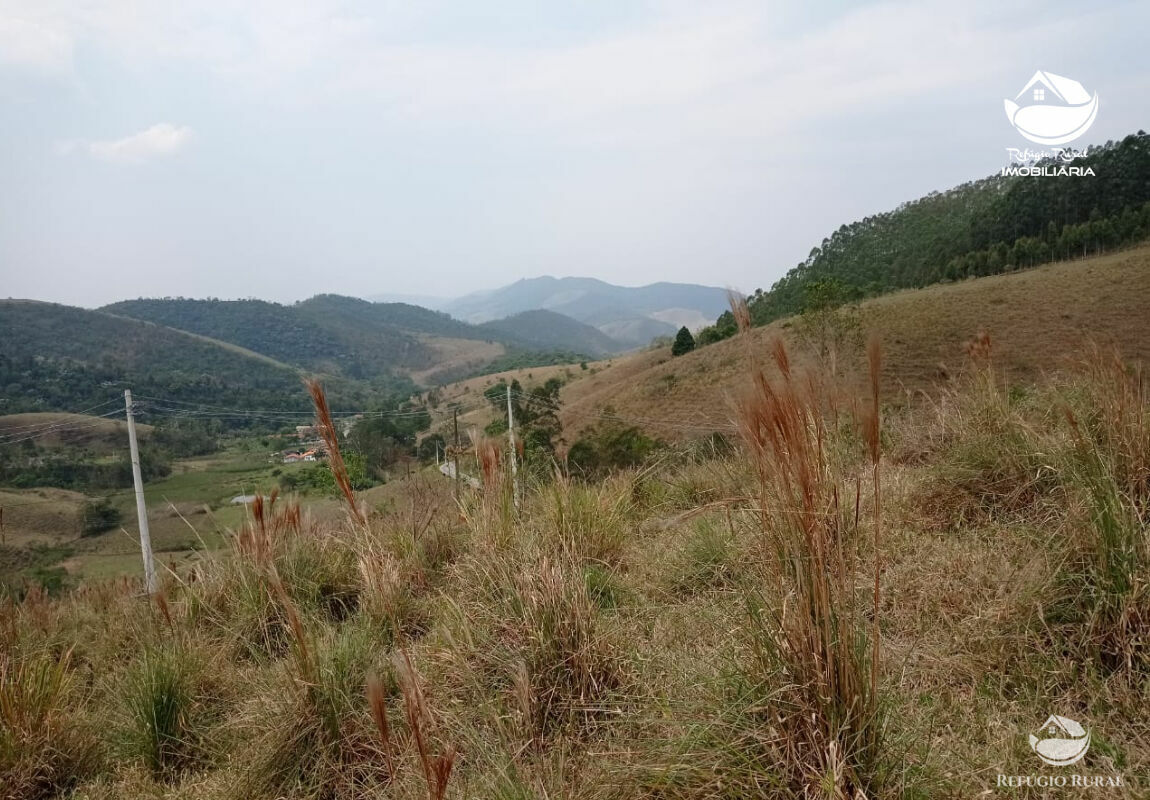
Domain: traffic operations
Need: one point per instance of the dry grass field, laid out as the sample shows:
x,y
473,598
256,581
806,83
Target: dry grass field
x,y
477,412
884,602
865,598
28,514
453,356
1035,319
75,429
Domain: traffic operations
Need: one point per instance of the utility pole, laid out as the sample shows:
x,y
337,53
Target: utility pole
x,y
141,506
455,451
511,438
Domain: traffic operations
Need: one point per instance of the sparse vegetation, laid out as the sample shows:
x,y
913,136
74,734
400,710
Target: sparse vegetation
x,y
97,516
609,445
829,324
1107,466
536,413
752,620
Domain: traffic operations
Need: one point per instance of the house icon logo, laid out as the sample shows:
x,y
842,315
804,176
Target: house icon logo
x,y
1059,109
1062,741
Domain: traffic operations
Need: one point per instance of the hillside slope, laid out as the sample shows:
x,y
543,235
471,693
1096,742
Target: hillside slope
x,y
325,333
55,428
58,357
364,340
986,227
260,326
1036,319
548,330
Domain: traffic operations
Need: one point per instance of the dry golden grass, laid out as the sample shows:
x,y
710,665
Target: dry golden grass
x,y
1037,319
74,430
40,516
452,356
702,627
810,629
477,412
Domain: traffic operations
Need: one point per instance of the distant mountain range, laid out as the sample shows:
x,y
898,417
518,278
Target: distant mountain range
x,y
252,352
631,316
359,339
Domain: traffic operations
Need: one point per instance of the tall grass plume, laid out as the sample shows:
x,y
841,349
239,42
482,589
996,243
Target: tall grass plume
x,y
810,630
330,436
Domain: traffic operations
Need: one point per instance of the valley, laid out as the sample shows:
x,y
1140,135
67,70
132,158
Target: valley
x,y
674,400
853,536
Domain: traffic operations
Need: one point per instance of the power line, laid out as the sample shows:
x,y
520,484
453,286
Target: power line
x,y
69,427
172,413
208,408
198,411
241,414
20,430
53,422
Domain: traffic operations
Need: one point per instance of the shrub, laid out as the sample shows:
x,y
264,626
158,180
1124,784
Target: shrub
x,y
97,516
44,749
53,580
1108,465
607,446
161,704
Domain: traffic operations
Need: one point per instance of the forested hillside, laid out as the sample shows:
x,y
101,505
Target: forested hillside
x,y
268,328
549,330
997,224
55,357
342,313
356,338
322,334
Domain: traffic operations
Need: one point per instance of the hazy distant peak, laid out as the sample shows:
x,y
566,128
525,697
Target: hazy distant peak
x,y
632,315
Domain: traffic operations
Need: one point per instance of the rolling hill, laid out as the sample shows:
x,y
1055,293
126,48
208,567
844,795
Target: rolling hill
x,y
328,333
535,331
630,315
55,429
363,340
547,330
257,325
55,357
1036,320
252,353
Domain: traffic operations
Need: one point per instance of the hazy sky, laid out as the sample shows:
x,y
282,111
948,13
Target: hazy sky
x,y
283,148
